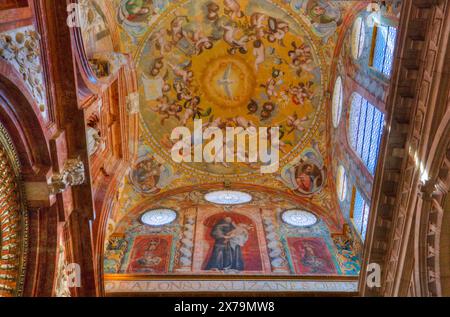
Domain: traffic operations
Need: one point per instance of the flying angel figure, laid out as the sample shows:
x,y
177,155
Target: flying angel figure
x,y
296,123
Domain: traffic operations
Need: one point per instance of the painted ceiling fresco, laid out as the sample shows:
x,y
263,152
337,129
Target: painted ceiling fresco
x,y
249,63
254,67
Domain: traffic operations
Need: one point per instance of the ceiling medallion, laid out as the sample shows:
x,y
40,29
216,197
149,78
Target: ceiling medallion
x,y
158,217
228,197
299,218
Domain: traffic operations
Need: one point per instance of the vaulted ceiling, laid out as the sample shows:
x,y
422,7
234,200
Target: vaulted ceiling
x,y
249,63
279,55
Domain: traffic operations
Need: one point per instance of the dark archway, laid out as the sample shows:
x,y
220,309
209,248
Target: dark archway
x,y
24,127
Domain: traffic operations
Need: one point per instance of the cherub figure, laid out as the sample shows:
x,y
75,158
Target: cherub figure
x,y
277,30
301,93
295,123
193,110
258,25
300,54
233,9
259,51
183,92
200,41
273,83
183,72
229,36
176,29
168,109
161,43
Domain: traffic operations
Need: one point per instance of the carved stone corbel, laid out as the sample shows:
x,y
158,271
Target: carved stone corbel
x,y
427,189
73,174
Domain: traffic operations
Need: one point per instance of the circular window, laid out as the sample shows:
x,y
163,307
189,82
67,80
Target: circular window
x,y
341,183
299,218
338,99
228,197
159,217
358,37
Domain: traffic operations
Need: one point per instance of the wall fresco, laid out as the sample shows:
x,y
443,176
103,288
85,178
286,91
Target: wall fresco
x,y
206,239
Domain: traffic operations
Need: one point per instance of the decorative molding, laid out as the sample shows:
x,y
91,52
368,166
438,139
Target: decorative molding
x,y
187,242
277,255
432,215
21,49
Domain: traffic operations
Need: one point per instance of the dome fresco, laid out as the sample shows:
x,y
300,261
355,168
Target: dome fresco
x,y
230,63
242,64
256,67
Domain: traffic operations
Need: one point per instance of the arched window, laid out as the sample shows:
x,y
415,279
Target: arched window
x,y
341,183
360,214
338,96
383,51
358,37
365,131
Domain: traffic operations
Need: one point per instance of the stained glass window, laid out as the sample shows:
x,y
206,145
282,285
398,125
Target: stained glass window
x,y
366,129
338,96
361,212
358,37
384,48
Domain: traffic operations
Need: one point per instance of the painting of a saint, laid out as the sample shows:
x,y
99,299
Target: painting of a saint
x,y
150,254
323,15
308,178
145,176
229,238
233,243
311,256
305,176
135,15
135,11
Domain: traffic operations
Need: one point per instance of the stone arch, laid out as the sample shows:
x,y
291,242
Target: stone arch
x,y
21,118
24,134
